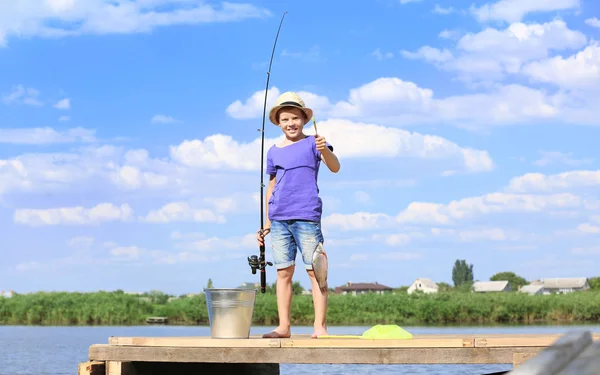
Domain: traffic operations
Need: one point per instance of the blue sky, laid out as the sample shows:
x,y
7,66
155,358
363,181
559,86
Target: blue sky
x,y
130,155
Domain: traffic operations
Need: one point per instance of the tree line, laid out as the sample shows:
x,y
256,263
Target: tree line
x,y
462,277
118,308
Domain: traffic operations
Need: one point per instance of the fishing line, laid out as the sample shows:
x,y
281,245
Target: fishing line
x,y
254,261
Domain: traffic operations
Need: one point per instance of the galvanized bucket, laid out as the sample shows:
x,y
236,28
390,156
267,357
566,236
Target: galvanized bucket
x,y
230,312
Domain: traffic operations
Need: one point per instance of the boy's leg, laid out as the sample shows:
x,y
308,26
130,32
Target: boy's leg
x,y
308,234
284,255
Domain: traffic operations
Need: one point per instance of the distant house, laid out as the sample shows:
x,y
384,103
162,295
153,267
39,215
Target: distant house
x,y
562,285
491,286
425,285
361,288
532,289
8,294
250,285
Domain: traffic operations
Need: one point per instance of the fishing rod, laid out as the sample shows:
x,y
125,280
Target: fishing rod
x,y
259,263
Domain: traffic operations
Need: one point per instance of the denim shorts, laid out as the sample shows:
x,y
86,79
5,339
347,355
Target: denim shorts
x,y
287,236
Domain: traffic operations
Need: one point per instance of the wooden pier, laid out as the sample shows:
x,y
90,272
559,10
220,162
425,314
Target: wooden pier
x,y
190,355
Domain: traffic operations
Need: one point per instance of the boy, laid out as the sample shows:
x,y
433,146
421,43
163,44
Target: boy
x,y
293,205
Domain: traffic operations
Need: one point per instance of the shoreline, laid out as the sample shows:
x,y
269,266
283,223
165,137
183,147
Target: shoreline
x,y
442,309
421,325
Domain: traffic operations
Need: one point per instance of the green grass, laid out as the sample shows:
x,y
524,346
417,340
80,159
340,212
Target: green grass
x,y
112,308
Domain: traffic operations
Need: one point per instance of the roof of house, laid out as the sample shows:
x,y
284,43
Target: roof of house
x,y
560,283
531,288
363,286
427,283
489,286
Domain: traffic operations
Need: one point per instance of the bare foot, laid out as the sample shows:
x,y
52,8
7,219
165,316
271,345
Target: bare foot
x,y
319,331
278,333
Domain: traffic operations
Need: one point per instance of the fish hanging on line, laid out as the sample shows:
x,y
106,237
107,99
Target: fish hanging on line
x,y
320,265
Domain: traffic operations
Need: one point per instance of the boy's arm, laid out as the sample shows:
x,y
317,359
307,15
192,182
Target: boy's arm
x,y
330,160
270,187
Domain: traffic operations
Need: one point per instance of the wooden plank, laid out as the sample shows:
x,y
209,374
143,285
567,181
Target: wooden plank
x,y
91,368
305,341
420,342
103,352
190,341
587,363
424,341
552,359
508,340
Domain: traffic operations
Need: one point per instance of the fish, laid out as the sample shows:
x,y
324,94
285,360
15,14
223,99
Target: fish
x,y
320,265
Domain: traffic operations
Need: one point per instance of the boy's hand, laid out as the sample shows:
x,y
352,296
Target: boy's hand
x,y
260,235
320,142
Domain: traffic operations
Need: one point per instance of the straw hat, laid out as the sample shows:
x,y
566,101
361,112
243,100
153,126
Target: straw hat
x,y
290,99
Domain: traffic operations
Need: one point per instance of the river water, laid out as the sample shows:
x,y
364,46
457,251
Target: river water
x,y
31,350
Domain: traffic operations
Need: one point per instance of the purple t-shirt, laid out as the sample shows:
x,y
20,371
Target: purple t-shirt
x,y
296,192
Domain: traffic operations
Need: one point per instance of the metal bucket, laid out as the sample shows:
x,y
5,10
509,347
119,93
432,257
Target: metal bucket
x,y
230,312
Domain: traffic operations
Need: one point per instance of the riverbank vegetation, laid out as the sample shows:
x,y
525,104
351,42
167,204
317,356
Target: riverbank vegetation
x,y
445,307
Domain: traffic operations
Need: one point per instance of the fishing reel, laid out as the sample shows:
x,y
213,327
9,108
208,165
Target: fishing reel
x,y
254,263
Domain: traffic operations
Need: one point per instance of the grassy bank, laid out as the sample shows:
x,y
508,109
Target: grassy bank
x,y
110,308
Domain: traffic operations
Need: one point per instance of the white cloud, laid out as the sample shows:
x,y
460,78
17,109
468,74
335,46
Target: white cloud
x,y
131,178
429,213
127,252
350,140
578,71
224,204
312,55
21,94
63,104
356,140
491,54
78,215
253,106
162,119
557,157
394,240
110,169
592,250
389,256
479,234
218,151
394,102
61,18
449,34
382,55
39,136
429,54
591,227
207,243
588,228
593,22
441,10
181,211
516,10
91,168
539,182
81,242
357,221
378,95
